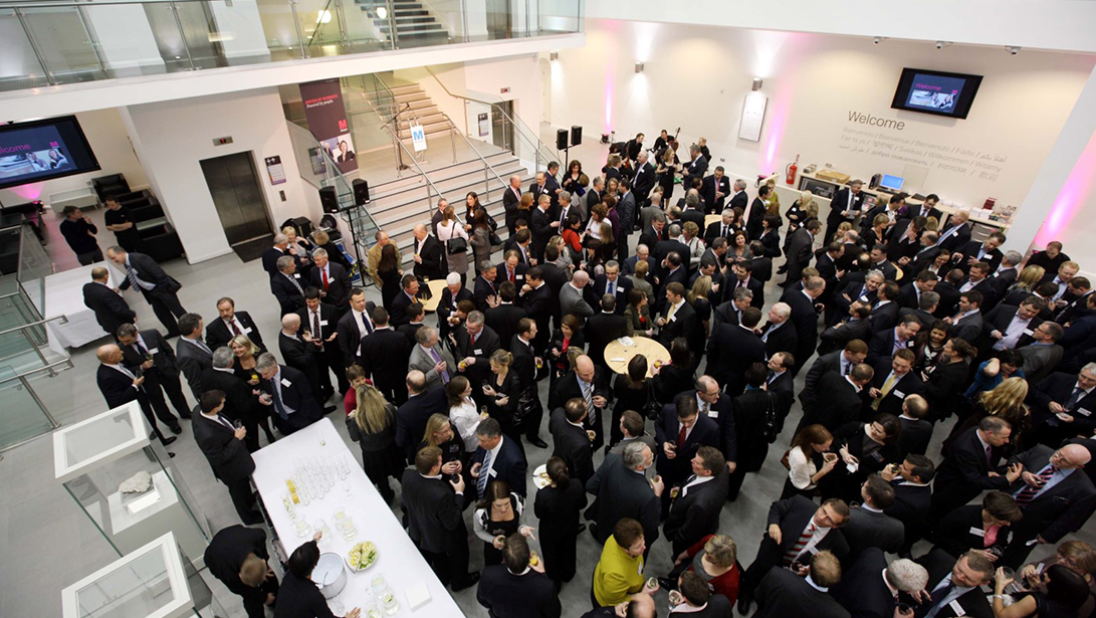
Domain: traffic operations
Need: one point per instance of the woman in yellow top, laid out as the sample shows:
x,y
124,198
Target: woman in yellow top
x,y
619,573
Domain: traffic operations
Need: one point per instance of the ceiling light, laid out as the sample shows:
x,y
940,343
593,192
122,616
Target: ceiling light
x,y
942,44
382,12
1013,49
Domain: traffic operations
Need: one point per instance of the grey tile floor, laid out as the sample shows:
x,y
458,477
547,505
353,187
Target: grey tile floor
x,y
47,542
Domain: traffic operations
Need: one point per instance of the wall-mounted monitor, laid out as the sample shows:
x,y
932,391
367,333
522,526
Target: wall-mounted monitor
x,y
43,150
894,183
936,92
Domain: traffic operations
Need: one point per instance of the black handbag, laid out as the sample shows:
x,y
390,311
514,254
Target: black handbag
x,y
456,245
527,408
770,424
653,407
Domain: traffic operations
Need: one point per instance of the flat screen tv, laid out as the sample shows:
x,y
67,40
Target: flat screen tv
x,y
936,92
43,150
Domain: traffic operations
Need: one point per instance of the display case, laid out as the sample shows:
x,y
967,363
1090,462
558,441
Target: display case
x,y
126,483
156,580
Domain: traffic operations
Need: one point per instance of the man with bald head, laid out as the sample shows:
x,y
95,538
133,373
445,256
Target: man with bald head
x,y
588,383
120,385
298,352
572,296
1055,495
429,255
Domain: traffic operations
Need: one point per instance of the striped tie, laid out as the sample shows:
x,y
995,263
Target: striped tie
x,y
1027,494
797,548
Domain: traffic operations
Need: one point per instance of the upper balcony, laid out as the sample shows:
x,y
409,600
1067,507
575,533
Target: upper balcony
x,y
65,47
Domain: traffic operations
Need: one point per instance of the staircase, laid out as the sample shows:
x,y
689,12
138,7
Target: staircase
x,y
415,25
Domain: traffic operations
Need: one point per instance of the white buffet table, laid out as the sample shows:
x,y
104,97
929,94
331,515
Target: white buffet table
x,y
65,296
398,559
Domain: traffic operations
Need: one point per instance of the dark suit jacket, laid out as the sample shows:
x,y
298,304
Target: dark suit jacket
x,y
881,347
567,388
1058,387
505,594
623,493
866,529
540,303
823,364
572,444
684,324
783,593
964,473
290,298
240,402
805,321
799,251
754,217
193,361
300,355
510,200
949,299
328,324
270,260
883,317
412,416
483,289
971,249
218,333
957,240
704,433
111,310
118,389
446,305
753,284
226,554
708,190
384,356
504,321
226,455
163,357
432,253
297,395
731,350
909,384
911,506
149,271
643,181
349,337
695,515
862,590
836,337
783,339
1058,511
839,203
915,437
338,285
487,342
509,465
792,515
600,330
939,565
623,286
435,520
836,402
954,535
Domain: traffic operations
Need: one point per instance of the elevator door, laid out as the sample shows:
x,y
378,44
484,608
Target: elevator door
x,y
236,194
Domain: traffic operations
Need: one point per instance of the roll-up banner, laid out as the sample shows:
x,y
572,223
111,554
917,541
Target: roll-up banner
x,y
326,115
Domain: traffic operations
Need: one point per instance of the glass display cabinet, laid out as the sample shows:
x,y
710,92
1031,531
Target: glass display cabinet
x,y
126,483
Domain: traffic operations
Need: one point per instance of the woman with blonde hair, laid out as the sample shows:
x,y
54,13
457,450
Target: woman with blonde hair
x,y
714,556
1027,280
373,426
691,238
247,353
1005,401
504,390
439,432
455,240
797,213
772,202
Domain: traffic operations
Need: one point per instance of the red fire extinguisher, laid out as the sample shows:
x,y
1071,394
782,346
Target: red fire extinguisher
x,y
790,171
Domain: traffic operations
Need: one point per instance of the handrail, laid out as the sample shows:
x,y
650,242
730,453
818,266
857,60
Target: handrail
x,y
50,368
320,25
63,318
538,145
486,165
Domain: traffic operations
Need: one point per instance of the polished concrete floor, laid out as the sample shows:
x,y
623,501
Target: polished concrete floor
x,y
48,543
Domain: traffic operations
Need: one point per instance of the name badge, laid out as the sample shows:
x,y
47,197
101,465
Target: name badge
x,y
957,608
493,472
899,394
286,383
978,532
713,413
477,352
154,351
1083,412
673,318
813,550
1032,542
296,275
519,276
323,322
247,331
1029,332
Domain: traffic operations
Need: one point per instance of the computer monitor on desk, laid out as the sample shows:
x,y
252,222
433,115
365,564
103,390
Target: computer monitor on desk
x,y
891,184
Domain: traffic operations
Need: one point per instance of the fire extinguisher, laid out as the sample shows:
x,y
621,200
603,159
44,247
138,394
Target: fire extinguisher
x,y
790,171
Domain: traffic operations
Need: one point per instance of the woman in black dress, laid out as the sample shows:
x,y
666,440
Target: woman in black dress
x,y
497,516
557,506
575,182
770,236
669,380
389,270
504,390
632,392
440,433
373,425
567,336
872,446
1066,591
299,597
668,166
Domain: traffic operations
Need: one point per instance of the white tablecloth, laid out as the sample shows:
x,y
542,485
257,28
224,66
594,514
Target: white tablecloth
x,y
398,558
65,296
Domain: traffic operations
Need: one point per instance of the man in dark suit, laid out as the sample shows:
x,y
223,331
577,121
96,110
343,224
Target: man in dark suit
x,y
497,459
290,399
570,440
223,446
656,233
869,526
612,283
622,490
241,402
644,179
697,500
973,251
321,321
1008,327
476,342
603,328
696,167
537,299
956,233
237,556
504,318
111,310
732,348
1055,495
286,286
515,587
271,254
149,350
673,270
955,586
948,289
871,588
845,206
230,323
159,289
856,326
800,249
967,323
429,254
332,280
543,226
671,243
512,269
912,496
354,326
412,416
796,529
884,343
297,351
1073,396
540,187
783,592
589,383
384,356
757,212
742,276
884,312
193,355
510,199
679,431
408,295
839,398
966,471
485,291
119,385
894,380
909,295
779,334
677,319
435,521
841,361
714,190
916,431
804,317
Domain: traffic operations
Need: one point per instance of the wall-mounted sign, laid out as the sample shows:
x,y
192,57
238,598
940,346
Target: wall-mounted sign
x,y
323,108
484,125
275,170
221,141
505,90
753,116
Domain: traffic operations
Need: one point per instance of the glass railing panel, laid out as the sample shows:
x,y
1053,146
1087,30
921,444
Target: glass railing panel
x,y
21,67
366,29
18,354
63,43
559,16
22,416
34,267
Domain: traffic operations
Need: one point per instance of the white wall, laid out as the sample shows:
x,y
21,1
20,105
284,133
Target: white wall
x,y
110,143
698,78
174,136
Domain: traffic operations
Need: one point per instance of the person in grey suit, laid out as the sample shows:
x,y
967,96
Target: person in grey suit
x,y
631,426
782,592
192,354
622,490
967,324
431,359
1042,356
799,252
868,526
571,301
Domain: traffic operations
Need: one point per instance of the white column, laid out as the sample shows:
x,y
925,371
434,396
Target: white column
x,y
1060,189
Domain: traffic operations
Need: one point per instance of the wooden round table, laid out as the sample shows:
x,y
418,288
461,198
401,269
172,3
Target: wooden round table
x,y
437,286
710,219
617,355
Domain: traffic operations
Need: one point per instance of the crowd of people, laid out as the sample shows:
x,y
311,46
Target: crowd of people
x,y
898,318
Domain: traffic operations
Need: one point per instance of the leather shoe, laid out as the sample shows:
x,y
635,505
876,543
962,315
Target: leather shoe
x,y
171,455
168,440
467,583
666,584
328,409
536,441
744,604
176,429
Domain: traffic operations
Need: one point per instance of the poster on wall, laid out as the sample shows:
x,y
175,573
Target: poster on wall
x,y
753,116
275,170
326,115
484,125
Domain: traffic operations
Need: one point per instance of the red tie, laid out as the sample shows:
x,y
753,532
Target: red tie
x,y
235,329
473,340
324,271
681,437
511,273
800,543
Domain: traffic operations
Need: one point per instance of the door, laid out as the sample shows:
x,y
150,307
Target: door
x,y
502,130
238,197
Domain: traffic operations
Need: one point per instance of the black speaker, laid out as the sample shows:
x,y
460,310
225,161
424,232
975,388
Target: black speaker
x,y
576,135
361,191
561,139
328,200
